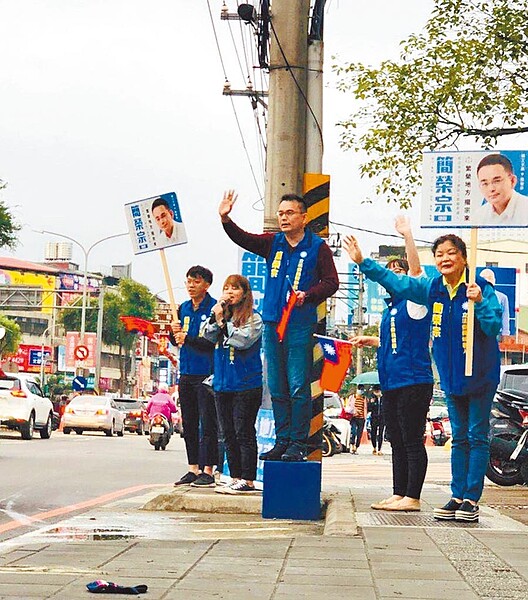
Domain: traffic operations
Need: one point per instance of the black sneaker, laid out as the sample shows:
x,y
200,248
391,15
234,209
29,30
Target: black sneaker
x,y
448,511
187,479
468,512
294,454
204,481
275,453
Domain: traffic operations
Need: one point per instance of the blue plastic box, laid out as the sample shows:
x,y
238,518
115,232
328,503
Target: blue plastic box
x,y
292,490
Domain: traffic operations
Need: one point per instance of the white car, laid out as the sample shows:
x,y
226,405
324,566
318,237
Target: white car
x,y
23,406
93,413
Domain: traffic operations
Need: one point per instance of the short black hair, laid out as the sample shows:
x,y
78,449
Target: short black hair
x,y
454,239
496,159
199,271
160,202
295,198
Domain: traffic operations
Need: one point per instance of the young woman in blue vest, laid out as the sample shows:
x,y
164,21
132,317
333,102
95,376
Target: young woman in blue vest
x,y
406,379
236,329
469,398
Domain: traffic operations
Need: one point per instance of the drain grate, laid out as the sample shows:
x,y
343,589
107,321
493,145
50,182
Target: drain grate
x,y
386,519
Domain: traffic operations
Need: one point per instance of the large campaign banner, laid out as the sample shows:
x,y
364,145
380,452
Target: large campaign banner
x,y
475,189
155,223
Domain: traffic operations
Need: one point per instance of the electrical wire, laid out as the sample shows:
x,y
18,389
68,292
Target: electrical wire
x,y
393,235
301,91
232,103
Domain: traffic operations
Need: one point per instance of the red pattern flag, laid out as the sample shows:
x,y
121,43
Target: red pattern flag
x,y
137,324
286,312
337,358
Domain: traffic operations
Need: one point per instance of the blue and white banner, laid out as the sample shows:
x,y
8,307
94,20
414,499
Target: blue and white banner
x,y
155,223
475,189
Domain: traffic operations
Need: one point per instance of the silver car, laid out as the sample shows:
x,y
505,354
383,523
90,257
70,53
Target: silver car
x,y
93,413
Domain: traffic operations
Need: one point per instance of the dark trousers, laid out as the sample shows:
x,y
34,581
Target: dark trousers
x,y
199,421
377,430
405,412
356,431
237,413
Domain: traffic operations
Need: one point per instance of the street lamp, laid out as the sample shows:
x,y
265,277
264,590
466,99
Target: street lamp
x,y
86,253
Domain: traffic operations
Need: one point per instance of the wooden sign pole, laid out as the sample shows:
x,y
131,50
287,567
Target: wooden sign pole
x,y
470,331
166,273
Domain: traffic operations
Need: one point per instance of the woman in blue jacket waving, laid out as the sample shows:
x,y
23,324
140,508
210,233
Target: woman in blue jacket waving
x,y
469,398
236,329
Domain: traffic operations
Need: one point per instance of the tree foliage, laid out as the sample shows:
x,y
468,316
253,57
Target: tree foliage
x,y
9,228
13,336
129,298
465,76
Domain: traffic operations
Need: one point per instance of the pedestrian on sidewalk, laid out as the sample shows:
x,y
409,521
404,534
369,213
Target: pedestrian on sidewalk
x,y
406,378
299,262
469,398
236,329
197,405
377,422
357,423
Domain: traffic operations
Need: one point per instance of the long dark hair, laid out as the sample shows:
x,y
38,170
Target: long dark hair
x,y
242,312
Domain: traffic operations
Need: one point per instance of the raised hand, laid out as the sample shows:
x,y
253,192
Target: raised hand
x,y
351,245
227,203
403,225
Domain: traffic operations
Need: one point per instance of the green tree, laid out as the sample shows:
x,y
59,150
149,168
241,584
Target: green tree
x,y
129,298
13,336
9,228
465,76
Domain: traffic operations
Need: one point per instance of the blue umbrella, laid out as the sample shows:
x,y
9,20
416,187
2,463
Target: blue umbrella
x,y
368,378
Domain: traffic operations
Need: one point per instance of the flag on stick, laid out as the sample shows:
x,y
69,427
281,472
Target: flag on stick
x,y
286,312
337,358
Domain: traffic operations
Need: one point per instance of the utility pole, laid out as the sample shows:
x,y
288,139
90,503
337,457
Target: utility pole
x,y
359,355
286,139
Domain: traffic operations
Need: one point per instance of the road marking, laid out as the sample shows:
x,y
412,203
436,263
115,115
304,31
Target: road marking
x,y
64,510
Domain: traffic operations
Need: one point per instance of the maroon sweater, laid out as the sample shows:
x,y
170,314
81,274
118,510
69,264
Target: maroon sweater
x,y
260,243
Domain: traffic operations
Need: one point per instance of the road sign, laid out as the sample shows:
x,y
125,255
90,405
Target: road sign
x,y
79,383
81,352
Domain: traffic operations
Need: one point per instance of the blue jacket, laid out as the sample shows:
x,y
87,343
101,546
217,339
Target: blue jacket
x,y
237,363
448,318
289,268
403,354
196,354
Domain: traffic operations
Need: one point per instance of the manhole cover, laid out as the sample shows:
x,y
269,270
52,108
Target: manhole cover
x,y
386,519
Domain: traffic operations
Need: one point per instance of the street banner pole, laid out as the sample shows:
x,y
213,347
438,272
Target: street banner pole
x,y
168,283
470,330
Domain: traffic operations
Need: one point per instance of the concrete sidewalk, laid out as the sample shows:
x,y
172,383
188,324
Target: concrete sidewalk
x,y
353,553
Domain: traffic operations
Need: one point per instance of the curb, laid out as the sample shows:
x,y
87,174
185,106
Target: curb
x,y
340,515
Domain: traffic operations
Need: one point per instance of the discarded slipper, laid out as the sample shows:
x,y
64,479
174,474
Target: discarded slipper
x,y
107,587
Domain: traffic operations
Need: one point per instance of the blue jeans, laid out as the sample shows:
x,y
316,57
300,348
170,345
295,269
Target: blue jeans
x,y
469,417
288,367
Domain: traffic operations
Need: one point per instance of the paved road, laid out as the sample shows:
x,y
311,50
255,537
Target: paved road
x,y
51,478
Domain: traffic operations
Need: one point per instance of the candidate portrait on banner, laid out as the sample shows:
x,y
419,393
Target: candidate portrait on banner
x,y
155,223
475,189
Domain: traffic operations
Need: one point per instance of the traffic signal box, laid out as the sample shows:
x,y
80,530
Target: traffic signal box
x,y
292,490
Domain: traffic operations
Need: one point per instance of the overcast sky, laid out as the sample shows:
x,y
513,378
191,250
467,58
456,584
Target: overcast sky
x,y
107,101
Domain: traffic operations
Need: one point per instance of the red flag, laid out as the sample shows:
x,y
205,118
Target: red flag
x,y
137,324
286,312
337,358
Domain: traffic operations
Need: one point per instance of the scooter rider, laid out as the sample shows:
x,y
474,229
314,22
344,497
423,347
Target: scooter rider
x,y
163,404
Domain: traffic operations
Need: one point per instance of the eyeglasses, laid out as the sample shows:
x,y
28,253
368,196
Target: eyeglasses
x,y
287,213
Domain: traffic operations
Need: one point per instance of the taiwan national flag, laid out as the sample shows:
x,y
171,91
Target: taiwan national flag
x,y
286,313
337,358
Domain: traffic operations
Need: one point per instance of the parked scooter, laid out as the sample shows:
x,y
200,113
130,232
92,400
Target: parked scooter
x,y
438,433
160,431
508,462
331,442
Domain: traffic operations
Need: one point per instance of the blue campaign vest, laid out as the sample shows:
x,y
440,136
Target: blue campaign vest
x,y
403,354
288,267
448,332
195,361
237,370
